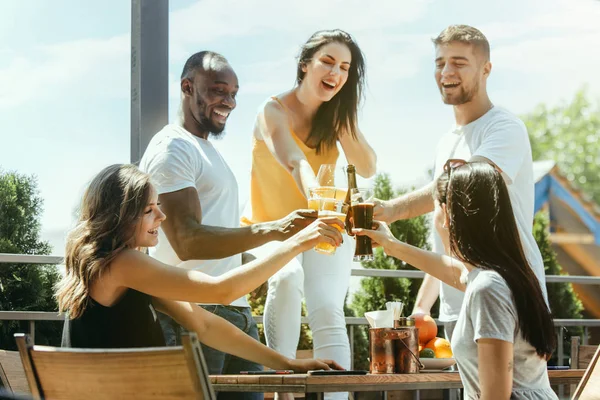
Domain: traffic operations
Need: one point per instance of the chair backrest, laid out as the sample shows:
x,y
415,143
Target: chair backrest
x,y
589,386
12,373
140,373
581,355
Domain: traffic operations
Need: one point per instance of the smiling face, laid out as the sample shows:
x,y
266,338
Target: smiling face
x,y
327,72
460,72
211,97
146,233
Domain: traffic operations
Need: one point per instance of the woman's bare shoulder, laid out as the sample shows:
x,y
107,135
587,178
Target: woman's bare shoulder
x,y
130,258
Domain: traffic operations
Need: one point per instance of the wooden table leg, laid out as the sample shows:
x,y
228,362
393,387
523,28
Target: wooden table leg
x,y
315,396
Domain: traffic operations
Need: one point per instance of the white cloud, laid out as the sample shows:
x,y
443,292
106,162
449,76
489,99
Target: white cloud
x,y
563,16
554,51
93,67
209,20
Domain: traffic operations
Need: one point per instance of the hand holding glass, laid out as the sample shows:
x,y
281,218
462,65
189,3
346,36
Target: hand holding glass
x,y
327,207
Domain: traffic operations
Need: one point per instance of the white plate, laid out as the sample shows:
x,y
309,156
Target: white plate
x,y
437,363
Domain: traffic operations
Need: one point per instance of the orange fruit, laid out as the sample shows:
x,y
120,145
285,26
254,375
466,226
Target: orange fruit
x,y
427,327
440,346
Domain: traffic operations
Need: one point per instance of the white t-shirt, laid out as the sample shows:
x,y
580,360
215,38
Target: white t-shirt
x,y
501,137
176,159
489,312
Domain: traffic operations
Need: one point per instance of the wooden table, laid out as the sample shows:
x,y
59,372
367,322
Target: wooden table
x,y
315,386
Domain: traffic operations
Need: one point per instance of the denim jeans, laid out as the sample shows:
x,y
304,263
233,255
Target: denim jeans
x,y
217,362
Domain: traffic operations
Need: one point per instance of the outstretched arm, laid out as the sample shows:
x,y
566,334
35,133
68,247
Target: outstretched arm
x,y
410,205
273,126
220,334
192,240
442,267
136,270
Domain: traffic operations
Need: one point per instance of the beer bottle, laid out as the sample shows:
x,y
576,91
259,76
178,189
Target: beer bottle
x,y
351,171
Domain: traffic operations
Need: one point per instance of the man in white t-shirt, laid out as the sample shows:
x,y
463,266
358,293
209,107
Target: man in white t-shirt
x,y
481,132
199,194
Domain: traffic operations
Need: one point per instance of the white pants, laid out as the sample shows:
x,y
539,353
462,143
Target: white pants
x,y
324,281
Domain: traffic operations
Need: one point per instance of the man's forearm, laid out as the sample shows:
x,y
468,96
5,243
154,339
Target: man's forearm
x,y
414,204
205,242
428,294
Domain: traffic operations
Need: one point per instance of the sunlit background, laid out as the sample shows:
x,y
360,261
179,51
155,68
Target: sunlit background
x,y
65,76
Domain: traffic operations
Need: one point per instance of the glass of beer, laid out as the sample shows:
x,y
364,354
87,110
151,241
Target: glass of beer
x,y
362,217
327,177
321,192
327,207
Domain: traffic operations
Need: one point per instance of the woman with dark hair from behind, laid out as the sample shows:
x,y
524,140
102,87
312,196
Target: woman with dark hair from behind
x,y
294,134
504,334
111,289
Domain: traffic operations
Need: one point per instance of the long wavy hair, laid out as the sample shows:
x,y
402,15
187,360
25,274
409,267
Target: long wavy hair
x,y
108,216
337,116
483,233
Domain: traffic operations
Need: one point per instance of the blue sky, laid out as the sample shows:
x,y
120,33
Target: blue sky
x,y
64,75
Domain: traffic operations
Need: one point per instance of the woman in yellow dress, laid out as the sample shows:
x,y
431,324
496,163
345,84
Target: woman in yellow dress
x,y
295,133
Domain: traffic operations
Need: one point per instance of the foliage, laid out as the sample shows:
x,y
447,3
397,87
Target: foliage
x,y
569,134
24,287
564,302
375,292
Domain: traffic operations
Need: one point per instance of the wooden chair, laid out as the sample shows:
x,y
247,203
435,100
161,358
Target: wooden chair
x,y
589,386
139,373
12,373
581,355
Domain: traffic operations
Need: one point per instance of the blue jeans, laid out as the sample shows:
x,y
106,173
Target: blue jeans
x,y
217,362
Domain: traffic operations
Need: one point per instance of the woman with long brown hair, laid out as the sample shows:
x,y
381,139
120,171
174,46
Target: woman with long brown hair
x,y
504,334
295,133
111,289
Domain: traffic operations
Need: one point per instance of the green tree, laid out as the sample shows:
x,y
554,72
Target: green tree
x,y
24,287
569,134
375,292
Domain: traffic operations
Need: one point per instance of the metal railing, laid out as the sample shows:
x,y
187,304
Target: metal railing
x,y
351,322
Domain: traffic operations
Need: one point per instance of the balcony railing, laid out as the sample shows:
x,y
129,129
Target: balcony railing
x,y
351,322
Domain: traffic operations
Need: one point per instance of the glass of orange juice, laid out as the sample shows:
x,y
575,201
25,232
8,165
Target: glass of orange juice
x,y
327,207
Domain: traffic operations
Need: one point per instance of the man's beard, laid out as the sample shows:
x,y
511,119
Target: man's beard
x,y
205,124
462,98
